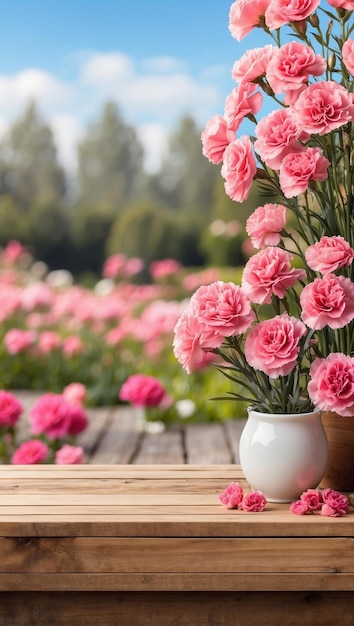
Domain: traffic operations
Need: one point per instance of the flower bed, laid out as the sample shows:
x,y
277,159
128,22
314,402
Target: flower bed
x,y
54,333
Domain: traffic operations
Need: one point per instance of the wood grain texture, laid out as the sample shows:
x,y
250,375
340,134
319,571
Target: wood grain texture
x,y
166,447
132,544
176,609
177,555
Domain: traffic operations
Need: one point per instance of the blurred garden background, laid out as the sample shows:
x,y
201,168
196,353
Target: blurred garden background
x,y
110,215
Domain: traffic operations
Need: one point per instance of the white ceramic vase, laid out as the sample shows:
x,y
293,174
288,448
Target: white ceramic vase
x,y
283,455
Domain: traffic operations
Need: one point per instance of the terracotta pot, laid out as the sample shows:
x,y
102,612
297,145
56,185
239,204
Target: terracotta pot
x,y
339,430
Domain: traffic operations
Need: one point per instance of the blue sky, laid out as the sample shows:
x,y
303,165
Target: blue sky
x,y
158,59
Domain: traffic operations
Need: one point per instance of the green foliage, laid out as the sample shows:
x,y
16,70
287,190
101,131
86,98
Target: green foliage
x,y
30,172
110,162
89,232
224,247
115,206
11,220
186,178
47,230
145,230
100,368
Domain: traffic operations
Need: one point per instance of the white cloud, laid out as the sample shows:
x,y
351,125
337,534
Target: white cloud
x,y
163,65
154,138
152,94
107,69
170,96
216,73
166,94
67,131
32,84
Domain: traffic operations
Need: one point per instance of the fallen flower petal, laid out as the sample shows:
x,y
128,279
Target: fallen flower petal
x,y
254,501
231,496
299,507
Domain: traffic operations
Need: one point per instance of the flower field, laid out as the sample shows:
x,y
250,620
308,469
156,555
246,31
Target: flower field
x,y
55,333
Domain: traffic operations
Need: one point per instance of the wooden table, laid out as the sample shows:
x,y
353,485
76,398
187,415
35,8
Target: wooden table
x,y
151,545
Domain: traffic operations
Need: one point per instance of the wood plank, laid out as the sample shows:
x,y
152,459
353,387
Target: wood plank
x,y
98,423
169,526
111,509
64,500
207,444
183,582
177,555
19,472
119,442
102,485
165,609
165,447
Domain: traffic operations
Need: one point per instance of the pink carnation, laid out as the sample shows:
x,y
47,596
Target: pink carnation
x,y
37,296
69,455
186,344
13,251
331,386
77,419
269,273
17,340
221,310
280,12
114,265
133,266
72,345
231,496
30,452
297,170
329,254
51,415
239,168
328,301
291,66
10,409
299,507
163,268
48,341
278,135
265,224
253,502
312,498
273,345
216,311
215,138
242,101
75,393
337,501
348,55
342,4
323,107
253,64
142,390
245,15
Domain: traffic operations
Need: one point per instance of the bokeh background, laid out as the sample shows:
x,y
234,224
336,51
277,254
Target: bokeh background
x,y
102,103
110,215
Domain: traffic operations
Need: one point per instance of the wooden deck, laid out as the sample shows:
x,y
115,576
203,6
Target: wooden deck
x,y
118,435
126,545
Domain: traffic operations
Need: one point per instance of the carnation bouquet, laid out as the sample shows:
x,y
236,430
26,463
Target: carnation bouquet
x,y
285,336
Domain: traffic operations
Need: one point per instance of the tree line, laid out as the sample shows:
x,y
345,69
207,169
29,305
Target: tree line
x,y
113,205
